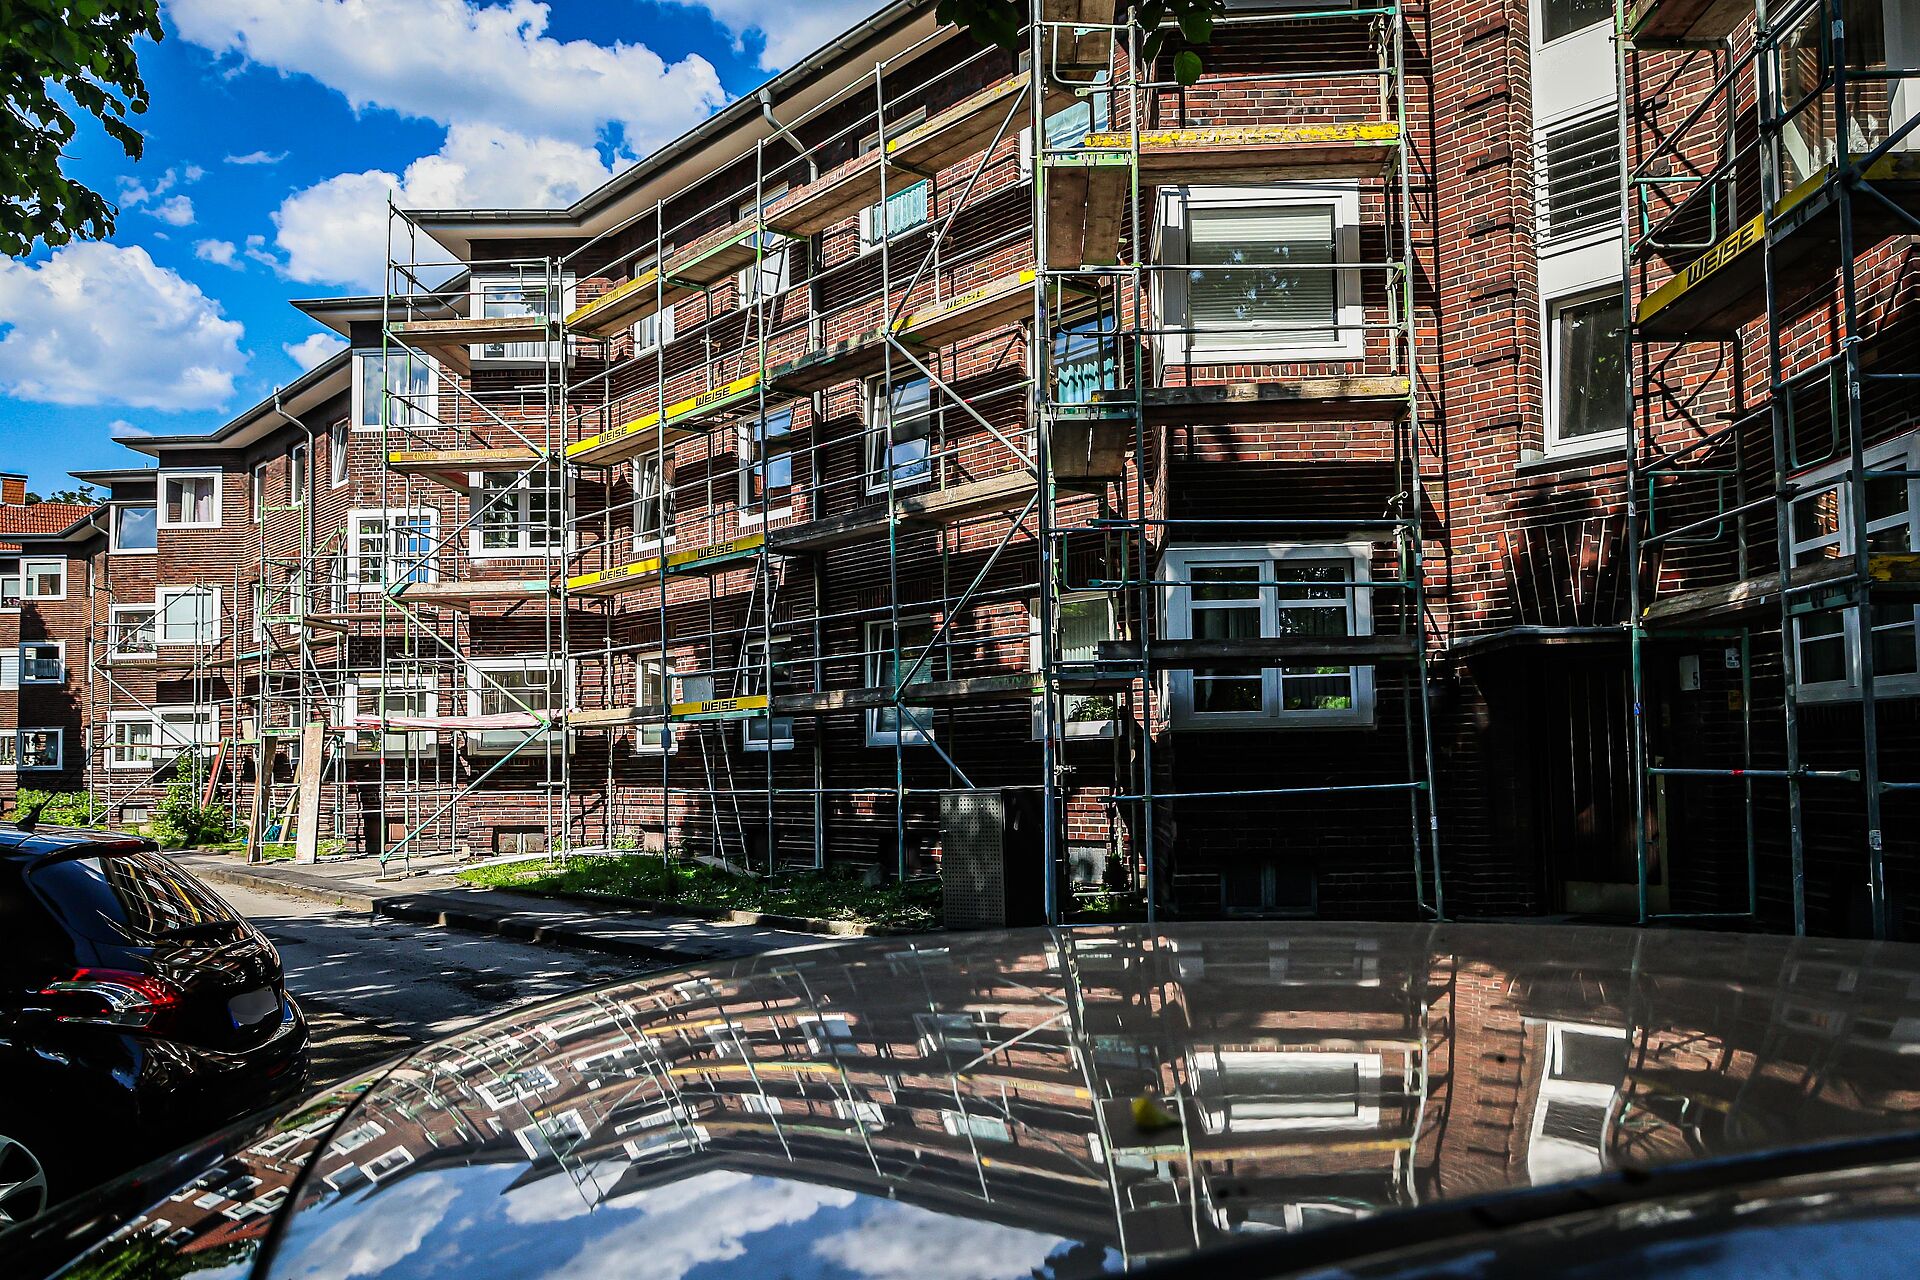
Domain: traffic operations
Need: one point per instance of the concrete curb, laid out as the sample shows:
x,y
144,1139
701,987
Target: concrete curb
x,y
798,924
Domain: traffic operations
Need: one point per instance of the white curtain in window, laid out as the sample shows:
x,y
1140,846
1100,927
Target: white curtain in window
x,y
1259,269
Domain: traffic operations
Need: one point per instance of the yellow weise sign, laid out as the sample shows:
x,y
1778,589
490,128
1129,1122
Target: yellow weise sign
x,y
752,704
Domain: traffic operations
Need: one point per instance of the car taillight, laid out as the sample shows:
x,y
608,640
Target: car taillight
x,y
113,998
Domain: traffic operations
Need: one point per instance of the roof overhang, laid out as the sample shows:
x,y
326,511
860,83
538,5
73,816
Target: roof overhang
x,y
307,392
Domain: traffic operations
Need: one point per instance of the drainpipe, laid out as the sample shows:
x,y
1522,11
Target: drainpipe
x,y
765,98
306,561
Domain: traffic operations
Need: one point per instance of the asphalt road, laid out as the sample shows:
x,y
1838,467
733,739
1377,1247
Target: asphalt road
x,y
371,987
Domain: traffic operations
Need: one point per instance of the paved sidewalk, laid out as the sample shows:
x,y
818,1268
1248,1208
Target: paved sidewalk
x,y
439,899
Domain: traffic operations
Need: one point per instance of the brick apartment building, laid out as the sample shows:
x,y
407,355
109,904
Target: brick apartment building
x,y
1270,536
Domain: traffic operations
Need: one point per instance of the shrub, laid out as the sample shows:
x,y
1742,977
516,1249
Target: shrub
x,y
62,809
180,820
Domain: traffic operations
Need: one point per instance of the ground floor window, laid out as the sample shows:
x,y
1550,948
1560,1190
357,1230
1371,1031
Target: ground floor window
x,y
898,724
26,749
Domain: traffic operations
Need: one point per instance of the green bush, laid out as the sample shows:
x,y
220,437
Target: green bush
x,y
179,820
63,808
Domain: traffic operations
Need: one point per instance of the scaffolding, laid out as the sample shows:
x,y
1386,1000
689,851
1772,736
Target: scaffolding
x,y
980,476
1791,166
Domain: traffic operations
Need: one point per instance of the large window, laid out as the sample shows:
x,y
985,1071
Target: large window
x,y
378,699
900,426
513,686
140,739
189,499
1247,593
1086,618
652,503
1260,280
135,528
43,662
32,749
766,473
43,579
654,688
1268,1090
130,739
403,380
758,675
1586,368
521,515
184,728
1823,530
189,615
902,724
386,548
528,295
131,631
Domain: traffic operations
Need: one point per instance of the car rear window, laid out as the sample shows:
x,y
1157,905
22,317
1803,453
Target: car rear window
x,y
126,898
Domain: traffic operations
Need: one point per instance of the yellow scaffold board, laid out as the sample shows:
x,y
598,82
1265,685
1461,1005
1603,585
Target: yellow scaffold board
x,y
1249,153
633,576
633,438
982,309
451,467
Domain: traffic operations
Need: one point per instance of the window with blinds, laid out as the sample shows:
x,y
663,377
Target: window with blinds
x,y
1264,271
1578,176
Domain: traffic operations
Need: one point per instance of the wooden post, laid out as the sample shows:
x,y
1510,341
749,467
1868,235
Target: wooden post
x,y
306,835
264,753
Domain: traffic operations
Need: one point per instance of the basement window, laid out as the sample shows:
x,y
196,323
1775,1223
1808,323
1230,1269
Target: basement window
x,y
1248,593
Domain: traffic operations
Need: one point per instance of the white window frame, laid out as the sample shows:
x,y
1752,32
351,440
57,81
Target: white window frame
x,y
751,457
779,729
662,497
1176,604
186,473
12,738
661,323
114,630
167,736
1215,1090
1550,306
28,565
113,529
257,491
298,458
477,741
508,359
162,595
414,414
386,516
58,646
907,730
1902,454
877,441
750,281
148,752
563,542
1558,1158
1098,109
872,218
338,436
1070,728
410,741
668,741
11,585
1190,347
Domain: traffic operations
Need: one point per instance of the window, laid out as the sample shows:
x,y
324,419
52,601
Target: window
x,y
296,475
1260,283
652,504
898,429
1086,618
130,739
337,453
650,333
400,381
1564,17
770,276
1230,593
966,1124
9,584
1822,529
520,514
189,615
766,478
1264,1090
43,662
135,528
514,687
829,1035
529,295
906,724
903,210
1585,1066
189,499
1586,370
1579,176
1066,128
1085,360
387,548
764,733
654,689
182,728
372,698
31,749
43,579
130,629
257,492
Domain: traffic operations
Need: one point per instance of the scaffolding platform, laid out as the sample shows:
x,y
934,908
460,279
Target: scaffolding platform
x,y
687,273
449,340
640,573
1825,584
643,434
464,593
746,707
1258,652
1005,493
1686,24
982,309
918,153
1725,288
452,467
1088,51
1018,687
1329,399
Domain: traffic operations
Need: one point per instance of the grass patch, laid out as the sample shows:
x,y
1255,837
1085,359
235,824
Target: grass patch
x,y
825,895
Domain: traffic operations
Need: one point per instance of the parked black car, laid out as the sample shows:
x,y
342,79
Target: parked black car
x,y
1207,1101
137,1011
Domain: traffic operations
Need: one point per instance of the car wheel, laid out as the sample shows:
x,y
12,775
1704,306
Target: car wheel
x,y
23,1182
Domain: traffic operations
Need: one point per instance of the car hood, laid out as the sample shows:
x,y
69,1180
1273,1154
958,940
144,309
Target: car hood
x,y
1061,1103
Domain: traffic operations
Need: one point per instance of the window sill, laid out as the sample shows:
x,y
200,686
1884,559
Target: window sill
x,y
1612,450
133,551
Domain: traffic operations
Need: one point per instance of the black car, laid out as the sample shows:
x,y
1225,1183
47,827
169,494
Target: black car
x,y
1207,1101
137,1011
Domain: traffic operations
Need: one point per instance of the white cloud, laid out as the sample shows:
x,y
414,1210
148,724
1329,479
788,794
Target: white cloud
x,y
903,1242
386,1232
313,349
219,252
335,232
104,324
258,157
120,428
791,31
257,250
457,62
135,192
175,211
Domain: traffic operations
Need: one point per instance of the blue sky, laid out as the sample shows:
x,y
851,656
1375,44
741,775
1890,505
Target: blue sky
x,y
277,130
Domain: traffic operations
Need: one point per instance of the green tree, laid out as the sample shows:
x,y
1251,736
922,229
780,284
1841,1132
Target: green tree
x,y
1000,22
52,53
84,494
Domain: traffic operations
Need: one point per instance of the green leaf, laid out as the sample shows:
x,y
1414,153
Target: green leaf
x,y
1186,66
